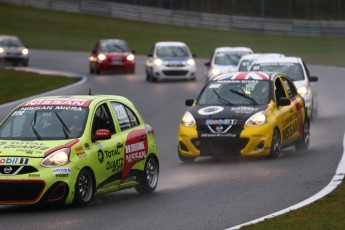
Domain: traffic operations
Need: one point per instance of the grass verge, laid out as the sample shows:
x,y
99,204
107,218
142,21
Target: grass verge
x,y
17,84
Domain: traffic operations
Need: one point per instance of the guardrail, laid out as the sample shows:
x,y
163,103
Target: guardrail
x,y
314,28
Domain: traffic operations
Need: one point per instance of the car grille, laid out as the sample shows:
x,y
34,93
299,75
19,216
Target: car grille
x,y
20,191
220,146
175,72
16,170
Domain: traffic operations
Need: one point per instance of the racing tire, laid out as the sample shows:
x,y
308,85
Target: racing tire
x,y
275,145
303,144
84,188
92,71
184,158
149,180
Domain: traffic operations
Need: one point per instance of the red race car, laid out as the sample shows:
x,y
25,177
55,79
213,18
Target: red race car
x,y
112,55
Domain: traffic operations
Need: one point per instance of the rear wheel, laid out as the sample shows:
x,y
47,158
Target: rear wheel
x,y
276,144
303,144
149,182
84,188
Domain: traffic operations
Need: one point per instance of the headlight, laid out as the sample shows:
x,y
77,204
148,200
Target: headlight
x,y
130,57
191,62
57,158
257,119
1,50
302,90
25,51
101,57
215,71
188,119
158,61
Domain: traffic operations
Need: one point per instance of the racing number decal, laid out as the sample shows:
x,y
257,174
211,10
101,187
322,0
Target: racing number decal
x,y
135,150
299,116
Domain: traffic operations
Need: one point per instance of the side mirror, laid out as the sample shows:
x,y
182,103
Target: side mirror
x,y
313,79
150,55
102,134
194,55
133,51
283,101
189,102
207,64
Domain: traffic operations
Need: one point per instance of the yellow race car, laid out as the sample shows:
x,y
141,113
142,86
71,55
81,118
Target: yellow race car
x,y
244,113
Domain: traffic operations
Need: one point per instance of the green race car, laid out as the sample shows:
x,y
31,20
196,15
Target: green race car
x,y
66,149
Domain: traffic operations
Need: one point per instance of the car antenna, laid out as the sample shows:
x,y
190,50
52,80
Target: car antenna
x,y
90,91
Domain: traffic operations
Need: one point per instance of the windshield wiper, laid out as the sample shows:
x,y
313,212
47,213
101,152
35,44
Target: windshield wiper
x,y
221,99
64,127
250,99
33,123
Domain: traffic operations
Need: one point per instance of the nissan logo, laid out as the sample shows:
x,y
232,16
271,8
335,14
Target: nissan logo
x,y
7,170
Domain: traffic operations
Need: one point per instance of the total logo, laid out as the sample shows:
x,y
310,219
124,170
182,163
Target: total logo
x,y
14,161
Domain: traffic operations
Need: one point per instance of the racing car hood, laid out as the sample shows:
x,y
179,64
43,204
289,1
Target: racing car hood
x,y
31,148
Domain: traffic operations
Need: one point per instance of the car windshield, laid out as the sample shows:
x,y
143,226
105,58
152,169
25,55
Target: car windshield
x,y
293,70
44,123
10,42
245,64
236,92
172,51
113,47
228,58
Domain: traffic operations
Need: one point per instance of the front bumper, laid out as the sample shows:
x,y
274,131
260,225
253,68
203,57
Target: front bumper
x,y
253,141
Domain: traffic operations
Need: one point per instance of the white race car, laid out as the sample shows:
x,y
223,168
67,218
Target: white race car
x,y
170,60
224,60
297,71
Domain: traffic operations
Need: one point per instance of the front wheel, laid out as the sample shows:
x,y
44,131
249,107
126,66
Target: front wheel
x,y
150,180
303,144
275,145
84,188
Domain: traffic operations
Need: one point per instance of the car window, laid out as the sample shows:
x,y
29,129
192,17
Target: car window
x,y
279,89
10,42
102,119
236,92
44,123
289,88
113,47
125,116
172,51
293,70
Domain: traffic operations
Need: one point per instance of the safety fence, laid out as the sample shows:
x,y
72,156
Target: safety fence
x,y
316,28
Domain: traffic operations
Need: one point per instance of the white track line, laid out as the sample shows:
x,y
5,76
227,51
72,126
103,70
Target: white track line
x,y
336,180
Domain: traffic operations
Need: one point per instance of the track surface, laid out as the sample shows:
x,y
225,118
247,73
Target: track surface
x,y
203,195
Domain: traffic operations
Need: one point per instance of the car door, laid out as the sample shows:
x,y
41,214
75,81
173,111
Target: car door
x,y
108,159
285,113
135,138
295,128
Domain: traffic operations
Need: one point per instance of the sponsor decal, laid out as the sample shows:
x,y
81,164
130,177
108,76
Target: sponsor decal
x,y
135,150
244,109
60,171
79,148
220,125
100,156
115,165
210,110
81,155
20,146
14,161
59,102
290,126
219,135
34,175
